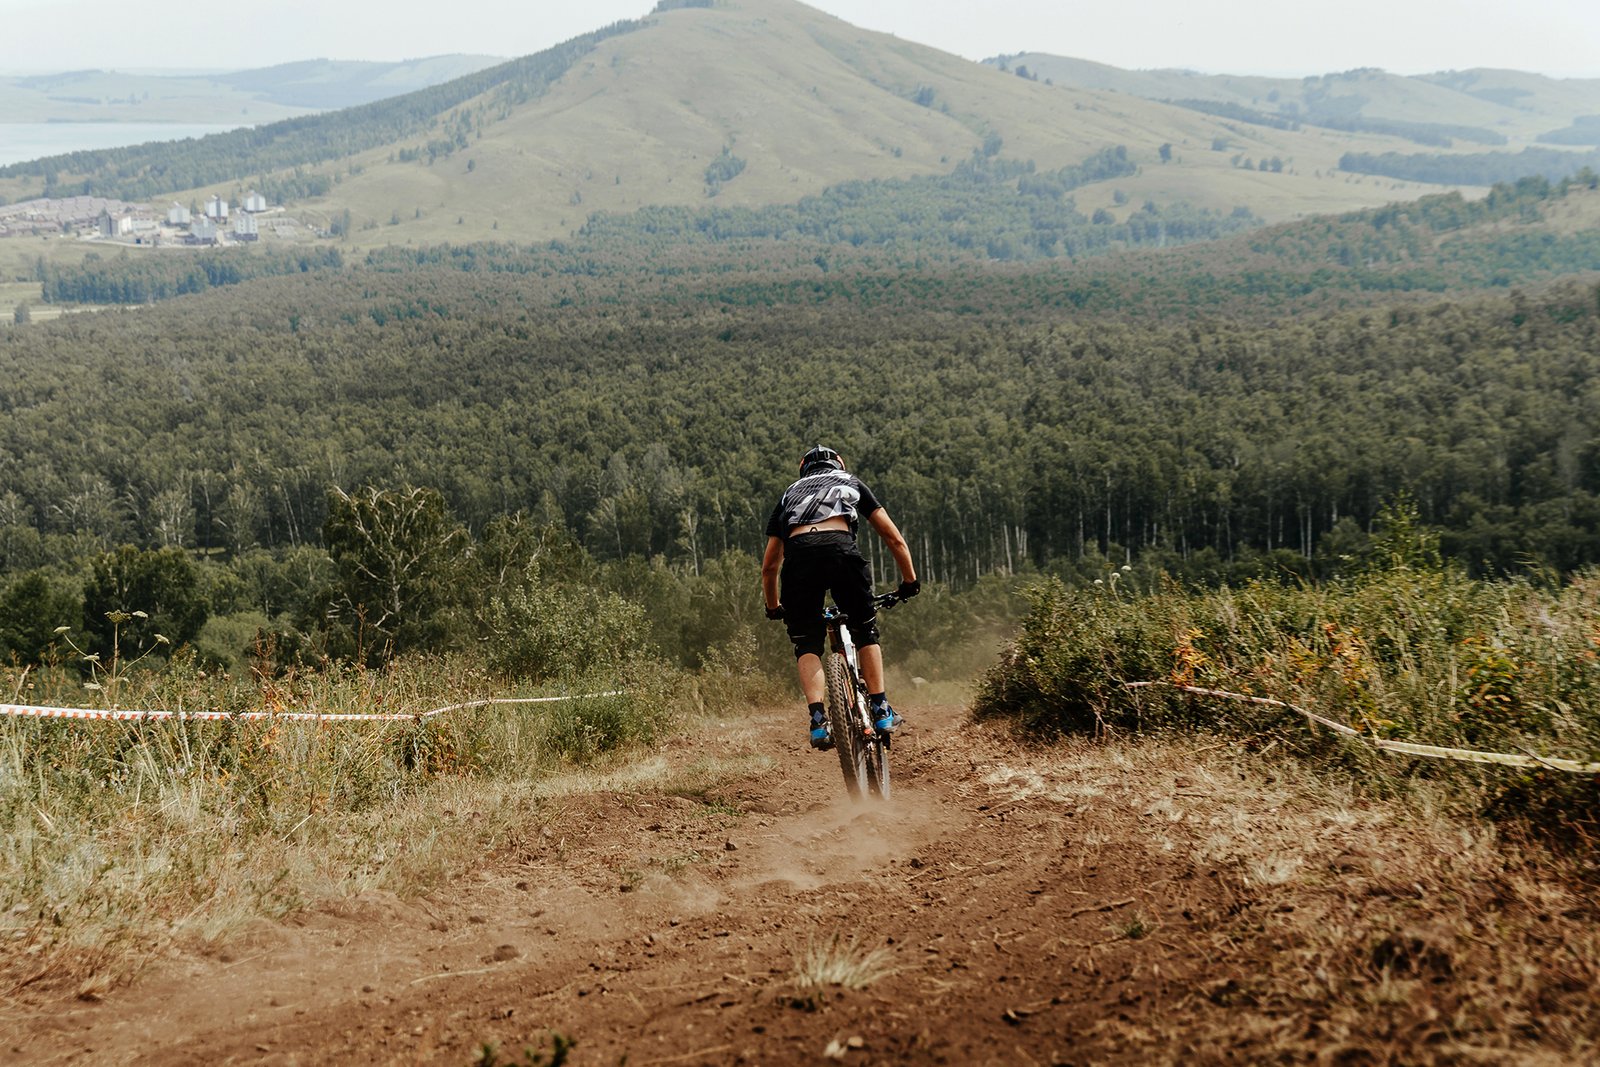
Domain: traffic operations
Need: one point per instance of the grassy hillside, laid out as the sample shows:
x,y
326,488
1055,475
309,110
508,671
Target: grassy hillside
x,y
807,101
1534,94
752,102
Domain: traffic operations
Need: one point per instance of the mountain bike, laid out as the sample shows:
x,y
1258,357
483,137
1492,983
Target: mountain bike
x,y
863,751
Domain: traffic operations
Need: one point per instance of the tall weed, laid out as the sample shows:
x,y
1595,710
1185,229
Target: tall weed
x,y
1420,652
130,833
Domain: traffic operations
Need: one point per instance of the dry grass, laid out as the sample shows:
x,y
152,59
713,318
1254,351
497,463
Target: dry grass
x,y
1416,652
92,891
837,962
118,840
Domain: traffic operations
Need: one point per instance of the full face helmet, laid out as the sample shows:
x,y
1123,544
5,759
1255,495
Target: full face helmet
x,y
819,458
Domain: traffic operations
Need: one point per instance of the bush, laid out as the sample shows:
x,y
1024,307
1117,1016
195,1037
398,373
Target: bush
x,y
550,629
581,731
31,607
227,641
1412,649
135,596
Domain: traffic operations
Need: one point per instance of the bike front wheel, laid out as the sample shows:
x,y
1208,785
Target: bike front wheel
x,y
842,720
876,758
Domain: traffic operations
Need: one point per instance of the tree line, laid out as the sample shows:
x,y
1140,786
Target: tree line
x,y
863,243
219,422
1471,168
1218,411
128,279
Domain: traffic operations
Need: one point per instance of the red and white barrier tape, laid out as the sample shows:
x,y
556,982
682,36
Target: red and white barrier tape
x,y
26,711
1462,755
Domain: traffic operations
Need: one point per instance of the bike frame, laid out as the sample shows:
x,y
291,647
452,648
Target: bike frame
x,y
845,645
863,752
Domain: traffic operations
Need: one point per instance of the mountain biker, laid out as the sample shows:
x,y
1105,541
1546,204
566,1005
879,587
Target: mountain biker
x,y
811,546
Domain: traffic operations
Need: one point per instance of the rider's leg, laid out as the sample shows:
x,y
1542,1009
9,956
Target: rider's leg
x,y
811,680
852,591
801,594
871,667
884,717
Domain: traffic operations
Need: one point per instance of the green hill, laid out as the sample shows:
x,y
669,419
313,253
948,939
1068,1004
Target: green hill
x,y
747,103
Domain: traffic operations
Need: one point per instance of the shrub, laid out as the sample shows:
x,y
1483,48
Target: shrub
x,y
1413,650
551,629
583,730
227,641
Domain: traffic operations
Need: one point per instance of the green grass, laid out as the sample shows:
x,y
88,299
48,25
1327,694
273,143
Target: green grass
x,y
14,293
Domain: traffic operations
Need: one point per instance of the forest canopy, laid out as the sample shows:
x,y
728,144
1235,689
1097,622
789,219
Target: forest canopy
x,y
1224,410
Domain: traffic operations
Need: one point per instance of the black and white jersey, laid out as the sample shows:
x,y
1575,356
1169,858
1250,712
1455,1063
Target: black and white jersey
x,y
822,495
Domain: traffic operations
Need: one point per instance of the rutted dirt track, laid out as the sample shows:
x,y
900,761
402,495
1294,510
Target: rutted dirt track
x,y
1077,906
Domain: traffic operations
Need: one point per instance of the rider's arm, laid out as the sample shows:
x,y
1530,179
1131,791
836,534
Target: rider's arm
x,y
895,542
771,562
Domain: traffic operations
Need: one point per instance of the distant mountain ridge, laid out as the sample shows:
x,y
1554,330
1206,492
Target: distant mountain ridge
x,y
749,104
1486,106
157,168
327,84
252,96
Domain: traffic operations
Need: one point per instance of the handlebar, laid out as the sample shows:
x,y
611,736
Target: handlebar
x,y
879,600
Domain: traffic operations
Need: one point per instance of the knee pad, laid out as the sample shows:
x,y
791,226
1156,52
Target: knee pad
x,y
867,635
808,641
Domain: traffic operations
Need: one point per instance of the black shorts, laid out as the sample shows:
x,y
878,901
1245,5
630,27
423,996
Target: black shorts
x,y
815,565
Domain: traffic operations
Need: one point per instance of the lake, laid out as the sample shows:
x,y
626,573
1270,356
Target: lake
x,y
21,141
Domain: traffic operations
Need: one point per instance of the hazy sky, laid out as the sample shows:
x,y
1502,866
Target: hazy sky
x,y
1559,37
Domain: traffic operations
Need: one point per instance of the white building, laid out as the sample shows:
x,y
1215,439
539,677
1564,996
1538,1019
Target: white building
x,y
177,215
254,201
244,227
203,232
216,208
115,224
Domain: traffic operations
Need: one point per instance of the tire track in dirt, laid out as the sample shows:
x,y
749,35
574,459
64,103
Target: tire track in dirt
x,y
666,929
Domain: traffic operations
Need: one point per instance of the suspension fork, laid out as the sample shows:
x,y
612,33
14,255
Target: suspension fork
x,y
846,645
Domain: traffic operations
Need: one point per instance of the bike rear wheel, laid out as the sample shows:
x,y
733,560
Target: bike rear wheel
x,y
877,761
842,720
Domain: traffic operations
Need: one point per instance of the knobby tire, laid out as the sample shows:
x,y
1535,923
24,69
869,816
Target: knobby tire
x,y
878,765
847,739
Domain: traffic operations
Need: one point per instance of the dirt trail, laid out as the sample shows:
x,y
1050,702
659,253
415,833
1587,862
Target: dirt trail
x,y
1031,907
